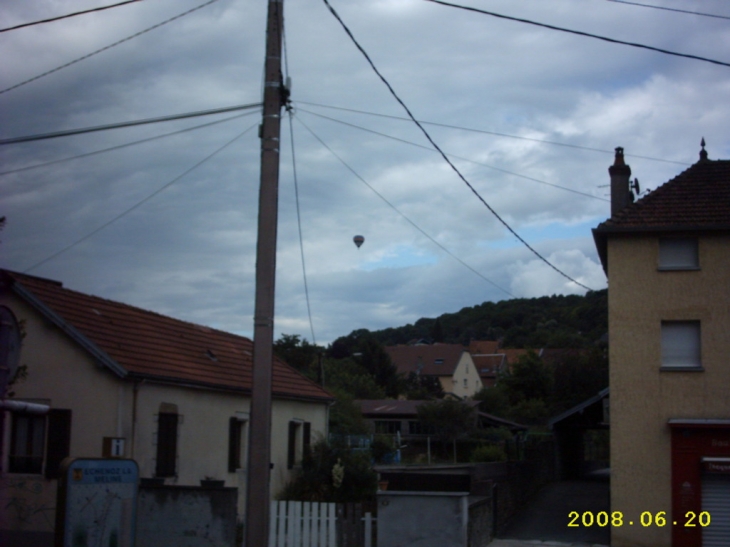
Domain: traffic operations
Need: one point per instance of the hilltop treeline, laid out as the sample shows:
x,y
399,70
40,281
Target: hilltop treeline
x,y
556,321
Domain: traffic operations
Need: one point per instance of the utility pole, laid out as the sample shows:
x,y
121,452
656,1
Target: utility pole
x,y
259,446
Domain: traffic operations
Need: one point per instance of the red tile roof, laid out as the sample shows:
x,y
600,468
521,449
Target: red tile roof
x,y
487,347
697,199
426,358
149,345
489,365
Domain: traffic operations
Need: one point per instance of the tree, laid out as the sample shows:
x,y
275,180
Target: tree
x,y
528,379
351,378
450,419
346,417
420,387
372,357
493,400
437,332
296,352
577,377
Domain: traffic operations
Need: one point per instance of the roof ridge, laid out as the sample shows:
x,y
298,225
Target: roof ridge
x,y
116,303
147,343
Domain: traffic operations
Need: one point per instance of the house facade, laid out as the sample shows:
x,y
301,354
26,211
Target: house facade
x,y
667,259
119,381
452,364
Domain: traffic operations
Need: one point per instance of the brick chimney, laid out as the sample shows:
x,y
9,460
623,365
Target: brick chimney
x,y
620,191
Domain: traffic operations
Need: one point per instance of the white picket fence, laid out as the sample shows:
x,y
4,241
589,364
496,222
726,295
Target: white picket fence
x,y
308,524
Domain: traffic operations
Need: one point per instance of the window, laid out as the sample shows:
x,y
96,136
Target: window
x,y
27,445
299,442
466,382
38,439
416,427
681,344
679,253
236,441
166,444
387,427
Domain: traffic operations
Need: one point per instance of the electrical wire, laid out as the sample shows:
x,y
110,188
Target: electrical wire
x,y
389,204
671,9
299,225
430,149
120,146
296,192
444,156
56,134
581,33
138,204
531,139
158,25
68,15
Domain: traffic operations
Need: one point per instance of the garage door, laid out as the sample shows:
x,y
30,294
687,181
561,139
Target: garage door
x,y
716,501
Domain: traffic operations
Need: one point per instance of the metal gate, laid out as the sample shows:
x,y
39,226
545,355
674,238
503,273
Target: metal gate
x,y
716,502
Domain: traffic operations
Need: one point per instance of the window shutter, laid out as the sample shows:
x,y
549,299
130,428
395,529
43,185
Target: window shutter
x,y
307,437
234,445
678,253
681,343
59,440
292,449
166,444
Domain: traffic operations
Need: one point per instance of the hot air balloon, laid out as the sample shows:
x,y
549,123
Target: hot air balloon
x,y
358,240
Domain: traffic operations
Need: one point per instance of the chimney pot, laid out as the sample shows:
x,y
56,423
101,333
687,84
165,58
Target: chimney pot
x,y
620,189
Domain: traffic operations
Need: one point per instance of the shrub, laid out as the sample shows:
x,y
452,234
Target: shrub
x,y
488,453
332,473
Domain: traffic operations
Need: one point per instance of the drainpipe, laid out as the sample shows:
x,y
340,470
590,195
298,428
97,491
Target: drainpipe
x,y
620,191
135,391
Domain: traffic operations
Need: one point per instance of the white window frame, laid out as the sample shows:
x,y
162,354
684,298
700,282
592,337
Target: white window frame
x,y
679,253
681,345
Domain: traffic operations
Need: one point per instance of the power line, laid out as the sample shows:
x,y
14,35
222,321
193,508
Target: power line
x,y
444,156
581,33
531,139
389,204
299,225
430,149
136,205
671,9
120,146
56,134
68,15
158,25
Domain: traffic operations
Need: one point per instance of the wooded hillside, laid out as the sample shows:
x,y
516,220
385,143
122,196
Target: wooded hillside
x,y
556,321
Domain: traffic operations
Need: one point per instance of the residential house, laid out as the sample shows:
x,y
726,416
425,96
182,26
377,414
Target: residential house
x,y
667,258
125,382
391,416
450,363
491,359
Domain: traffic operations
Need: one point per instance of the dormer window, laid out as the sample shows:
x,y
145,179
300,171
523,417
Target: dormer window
x,y
679,253
439,362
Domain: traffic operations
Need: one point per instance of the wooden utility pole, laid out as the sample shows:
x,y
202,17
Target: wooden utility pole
x,y
259,446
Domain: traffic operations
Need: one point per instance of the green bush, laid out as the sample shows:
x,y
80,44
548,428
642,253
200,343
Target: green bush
x,y
488,453
332,473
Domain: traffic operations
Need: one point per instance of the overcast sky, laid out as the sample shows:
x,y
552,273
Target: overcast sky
x,y
189,251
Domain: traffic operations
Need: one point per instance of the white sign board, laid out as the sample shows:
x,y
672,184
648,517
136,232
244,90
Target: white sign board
x,y
97,503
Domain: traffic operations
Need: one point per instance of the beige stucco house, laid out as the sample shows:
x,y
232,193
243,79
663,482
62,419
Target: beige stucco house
x,y
667,258
452,364
123,381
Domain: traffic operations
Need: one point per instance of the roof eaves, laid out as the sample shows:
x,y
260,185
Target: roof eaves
x,y
69,329
579,407
178,382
